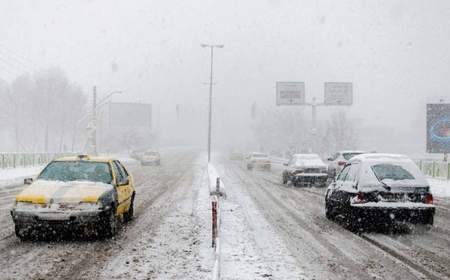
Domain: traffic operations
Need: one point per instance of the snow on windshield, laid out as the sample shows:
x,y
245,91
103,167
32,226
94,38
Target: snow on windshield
x,y
403,172
308,160
77,171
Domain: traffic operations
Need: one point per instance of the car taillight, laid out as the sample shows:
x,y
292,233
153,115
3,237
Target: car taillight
x,y
341,163
428,199
359,198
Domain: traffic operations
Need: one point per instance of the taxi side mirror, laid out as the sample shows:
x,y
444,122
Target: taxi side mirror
x,y
27,181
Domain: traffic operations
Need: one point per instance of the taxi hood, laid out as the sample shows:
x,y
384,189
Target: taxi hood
x,y
43,191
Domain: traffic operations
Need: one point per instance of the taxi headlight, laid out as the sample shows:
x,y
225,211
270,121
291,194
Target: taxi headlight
x,y
27,205
89,206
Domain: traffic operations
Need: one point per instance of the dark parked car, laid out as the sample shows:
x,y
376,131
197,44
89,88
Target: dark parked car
x,y
380,189
305,169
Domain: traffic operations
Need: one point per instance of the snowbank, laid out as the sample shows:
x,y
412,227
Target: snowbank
x,y
212,176
15,176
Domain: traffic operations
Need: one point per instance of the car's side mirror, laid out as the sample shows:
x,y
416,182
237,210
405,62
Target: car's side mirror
x,y
27,181
285,164
330,159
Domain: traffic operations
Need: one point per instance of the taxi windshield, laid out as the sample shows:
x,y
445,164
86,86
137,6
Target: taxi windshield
x,y
77,171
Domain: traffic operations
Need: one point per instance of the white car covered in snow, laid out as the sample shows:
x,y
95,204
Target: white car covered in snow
x,y
306,170
337,161
258,160
379,189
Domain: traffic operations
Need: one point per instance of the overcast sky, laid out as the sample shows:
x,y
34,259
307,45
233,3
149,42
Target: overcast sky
x,y
395,52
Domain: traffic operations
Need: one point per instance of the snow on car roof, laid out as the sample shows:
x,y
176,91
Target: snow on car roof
x,y
306,156
379,157
352,151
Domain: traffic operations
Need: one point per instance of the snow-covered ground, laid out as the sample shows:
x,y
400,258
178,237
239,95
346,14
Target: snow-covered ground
x,y
250,247
15,176
439,187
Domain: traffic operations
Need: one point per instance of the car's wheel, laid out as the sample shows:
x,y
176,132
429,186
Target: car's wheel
x,y
22,233
429,220
354,221
128,216
329,211
109,225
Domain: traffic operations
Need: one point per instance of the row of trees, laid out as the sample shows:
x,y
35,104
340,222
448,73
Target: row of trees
x,y
282,130
41,112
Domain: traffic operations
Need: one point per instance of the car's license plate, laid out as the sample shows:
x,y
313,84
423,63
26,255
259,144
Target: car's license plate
x,y
53,217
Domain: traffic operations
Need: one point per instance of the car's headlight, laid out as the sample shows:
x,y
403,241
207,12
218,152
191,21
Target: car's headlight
x,y
27,205
89,206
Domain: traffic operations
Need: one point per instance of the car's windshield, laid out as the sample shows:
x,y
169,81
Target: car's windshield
x,y
308,160
348,156
391,171
77,171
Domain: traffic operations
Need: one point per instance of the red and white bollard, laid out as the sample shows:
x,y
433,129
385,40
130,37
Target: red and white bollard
x,y
214,222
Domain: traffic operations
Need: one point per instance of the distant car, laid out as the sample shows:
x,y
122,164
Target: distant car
x,y
258,160
236,156
339,159
75,193
377,189
151,158
136,154
305,169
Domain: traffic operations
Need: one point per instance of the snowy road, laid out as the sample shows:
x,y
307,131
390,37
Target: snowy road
x,y
269,231
325,250
161,242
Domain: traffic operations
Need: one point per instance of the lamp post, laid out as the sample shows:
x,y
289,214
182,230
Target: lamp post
x,y
92,127
211,47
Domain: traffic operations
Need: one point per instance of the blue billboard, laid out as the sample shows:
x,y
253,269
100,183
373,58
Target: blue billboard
x,y
438,128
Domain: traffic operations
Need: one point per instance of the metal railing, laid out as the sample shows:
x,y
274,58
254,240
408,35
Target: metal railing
x,y
15,160
434,168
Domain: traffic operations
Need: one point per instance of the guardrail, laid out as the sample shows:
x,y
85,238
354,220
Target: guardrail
x,y
434,168
14,160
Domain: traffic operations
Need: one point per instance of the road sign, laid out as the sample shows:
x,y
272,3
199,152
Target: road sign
x,y
338,93
438,128
290,93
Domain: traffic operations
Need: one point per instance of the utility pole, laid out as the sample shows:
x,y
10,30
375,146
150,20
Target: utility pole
x,y
92,127
210,95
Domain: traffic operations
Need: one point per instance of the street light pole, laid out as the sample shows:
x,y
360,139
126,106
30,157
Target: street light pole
x,y
210,94
92,127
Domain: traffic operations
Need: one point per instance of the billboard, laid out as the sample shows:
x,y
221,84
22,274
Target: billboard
x,y
290,93
137,115
438,128
338,93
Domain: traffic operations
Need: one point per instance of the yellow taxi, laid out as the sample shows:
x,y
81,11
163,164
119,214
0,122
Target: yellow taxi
x,y
75,192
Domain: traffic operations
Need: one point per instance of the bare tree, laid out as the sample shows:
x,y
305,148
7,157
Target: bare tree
x,y
340,133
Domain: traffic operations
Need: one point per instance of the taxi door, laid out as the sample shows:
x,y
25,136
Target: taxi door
x,y
123,186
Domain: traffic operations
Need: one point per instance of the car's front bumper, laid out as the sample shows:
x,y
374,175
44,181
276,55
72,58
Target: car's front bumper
x,y
311,178
52,219
259,164
417,213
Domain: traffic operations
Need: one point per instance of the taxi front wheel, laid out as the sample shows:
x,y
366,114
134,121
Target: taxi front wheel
x,y
109,225
128,216
21,232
